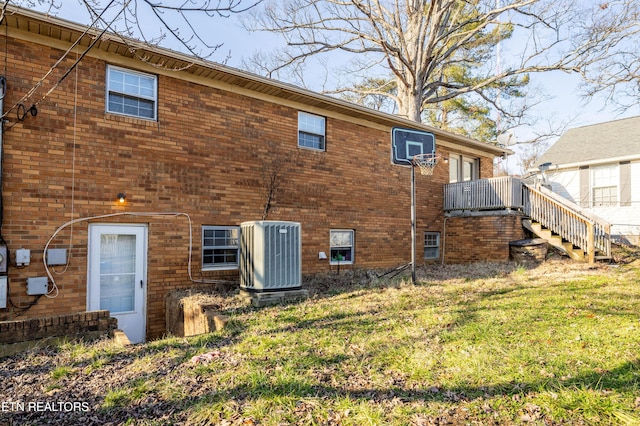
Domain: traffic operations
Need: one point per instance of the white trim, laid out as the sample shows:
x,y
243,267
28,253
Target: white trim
x,y
437,246
302,129
600,161
153,99
352,246
93,297
224,266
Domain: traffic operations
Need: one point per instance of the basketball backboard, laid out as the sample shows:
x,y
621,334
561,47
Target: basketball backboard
x,y
406,143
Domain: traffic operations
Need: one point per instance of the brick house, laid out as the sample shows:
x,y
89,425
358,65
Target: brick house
x,y
189,146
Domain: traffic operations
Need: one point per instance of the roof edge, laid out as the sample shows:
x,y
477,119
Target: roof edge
x,y
390,120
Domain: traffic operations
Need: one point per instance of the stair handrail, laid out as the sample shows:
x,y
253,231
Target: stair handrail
x,y
576,225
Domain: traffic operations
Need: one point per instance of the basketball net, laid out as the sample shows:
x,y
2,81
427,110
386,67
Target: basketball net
x,y
426,162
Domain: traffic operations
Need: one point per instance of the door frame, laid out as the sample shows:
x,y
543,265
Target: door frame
x,y
117,228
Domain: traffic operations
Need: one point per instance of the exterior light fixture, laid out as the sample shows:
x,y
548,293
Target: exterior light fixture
x,y
122,197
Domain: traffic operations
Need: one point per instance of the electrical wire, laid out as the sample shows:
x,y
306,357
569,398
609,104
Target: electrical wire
x,y
54,291
73,171
68,71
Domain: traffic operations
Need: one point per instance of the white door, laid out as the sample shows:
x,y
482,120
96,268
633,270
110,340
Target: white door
x,y
117,275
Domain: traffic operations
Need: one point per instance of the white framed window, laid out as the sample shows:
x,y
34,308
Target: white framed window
x,y
463,169
131,93
342,247
604,185
431,245
220,247
311,131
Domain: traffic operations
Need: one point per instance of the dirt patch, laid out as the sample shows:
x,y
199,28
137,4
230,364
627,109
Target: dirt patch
x,y
624,254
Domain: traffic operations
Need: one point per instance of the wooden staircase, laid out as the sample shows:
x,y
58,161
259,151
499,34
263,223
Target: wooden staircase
x,y
580,234
554,240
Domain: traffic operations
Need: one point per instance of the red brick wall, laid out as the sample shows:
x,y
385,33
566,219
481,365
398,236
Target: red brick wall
x,y
70,325
204,157
481,238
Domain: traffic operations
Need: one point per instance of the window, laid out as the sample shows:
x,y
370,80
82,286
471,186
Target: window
x,y
604,188
431,245
463,169
454,168
341,247
220,247
131,93
311,131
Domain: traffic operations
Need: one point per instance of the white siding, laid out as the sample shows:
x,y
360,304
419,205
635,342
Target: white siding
x,y
635,183
625,221
565,183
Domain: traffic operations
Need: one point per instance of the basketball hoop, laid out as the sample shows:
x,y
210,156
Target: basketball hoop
x,y
426,162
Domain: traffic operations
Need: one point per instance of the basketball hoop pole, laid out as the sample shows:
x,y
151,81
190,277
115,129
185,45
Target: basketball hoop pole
x,y
413,225
427,163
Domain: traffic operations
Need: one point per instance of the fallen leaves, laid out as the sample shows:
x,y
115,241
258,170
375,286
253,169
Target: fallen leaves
x,y
206,357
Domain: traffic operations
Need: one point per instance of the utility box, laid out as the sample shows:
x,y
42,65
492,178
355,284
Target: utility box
x,y
56,256
3,291
23,257
37,286
4,258
270,256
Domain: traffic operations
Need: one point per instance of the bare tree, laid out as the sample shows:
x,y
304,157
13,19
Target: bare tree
x,y
529,156
423,44
275,166
185,23
614,68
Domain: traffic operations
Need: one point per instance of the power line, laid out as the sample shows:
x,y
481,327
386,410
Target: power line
x,y
33,109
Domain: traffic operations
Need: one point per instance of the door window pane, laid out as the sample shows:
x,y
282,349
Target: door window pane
x,y
117,272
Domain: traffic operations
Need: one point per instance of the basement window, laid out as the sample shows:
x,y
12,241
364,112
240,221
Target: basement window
x,y
431,245
341,241
131,93
220,247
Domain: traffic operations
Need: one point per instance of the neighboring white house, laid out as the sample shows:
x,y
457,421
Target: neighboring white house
x,y
598,168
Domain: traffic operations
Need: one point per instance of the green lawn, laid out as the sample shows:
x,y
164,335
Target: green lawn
x,y
481,344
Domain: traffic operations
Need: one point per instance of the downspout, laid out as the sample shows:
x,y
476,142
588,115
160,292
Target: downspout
x,y
444,237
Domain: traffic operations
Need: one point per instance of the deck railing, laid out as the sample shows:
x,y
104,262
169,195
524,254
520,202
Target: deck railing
x,y
498,193
574,224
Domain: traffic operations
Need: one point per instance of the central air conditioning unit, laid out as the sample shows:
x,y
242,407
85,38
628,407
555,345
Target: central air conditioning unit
x,y
270,256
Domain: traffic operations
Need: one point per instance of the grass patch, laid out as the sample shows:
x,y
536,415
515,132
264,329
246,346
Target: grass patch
x,y
482,344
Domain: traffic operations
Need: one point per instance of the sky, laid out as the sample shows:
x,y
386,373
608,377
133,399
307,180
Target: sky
x,y
563,104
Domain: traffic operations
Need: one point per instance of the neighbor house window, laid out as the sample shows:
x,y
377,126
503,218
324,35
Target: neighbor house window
x,y
311,129
220,247
604,187
463,169
341,241
431,245
131,93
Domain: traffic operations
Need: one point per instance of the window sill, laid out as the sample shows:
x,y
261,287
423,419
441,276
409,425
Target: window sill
x,y
219,268
131,119
308,148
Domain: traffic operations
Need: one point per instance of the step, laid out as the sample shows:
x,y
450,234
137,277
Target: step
x,y
554,240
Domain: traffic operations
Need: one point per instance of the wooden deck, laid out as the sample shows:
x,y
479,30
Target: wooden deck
x,y
558,218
